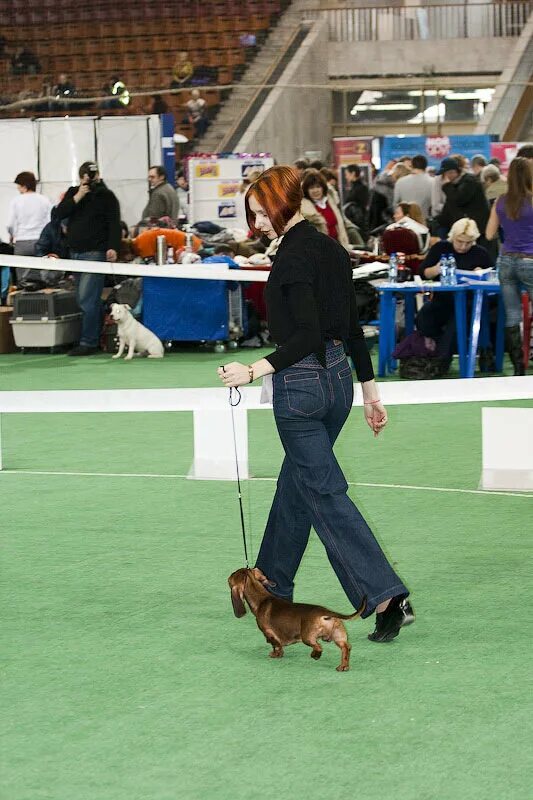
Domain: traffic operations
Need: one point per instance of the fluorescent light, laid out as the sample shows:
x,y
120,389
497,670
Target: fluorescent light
x,y
393,107
430,114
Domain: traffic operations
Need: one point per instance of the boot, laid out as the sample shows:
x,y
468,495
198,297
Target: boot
x,y
513,345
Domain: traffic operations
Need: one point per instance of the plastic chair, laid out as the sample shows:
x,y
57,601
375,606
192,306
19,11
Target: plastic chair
x,y
400,240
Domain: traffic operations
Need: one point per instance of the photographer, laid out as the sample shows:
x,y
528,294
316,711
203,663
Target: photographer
x,y
93,234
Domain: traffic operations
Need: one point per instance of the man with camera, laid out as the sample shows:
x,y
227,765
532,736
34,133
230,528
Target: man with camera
x,y
93,234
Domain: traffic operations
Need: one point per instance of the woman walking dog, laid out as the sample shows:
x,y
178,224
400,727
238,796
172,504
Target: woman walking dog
x,y
312,314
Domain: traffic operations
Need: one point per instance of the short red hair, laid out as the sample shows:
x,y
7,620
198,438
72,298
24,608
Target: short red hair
x,y
279,193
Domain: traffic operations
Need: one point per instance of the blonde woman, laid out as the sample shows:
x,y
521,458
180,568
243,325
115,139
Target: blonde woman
x,y
436,319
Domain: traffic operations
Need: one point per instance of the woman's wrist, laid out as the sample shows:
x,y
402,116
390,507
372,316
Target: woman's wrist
x,y
370,393
260,368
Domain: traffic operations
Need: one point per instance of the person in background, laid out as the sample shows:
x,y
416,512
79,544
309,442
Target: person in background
x,y
526,151
493,182
300,165
29,213
331,179
159,105
477,163
24,62
52,243
183,70
312,317
438,198
436,318
320,210
163,200
63,89
416,187
93,234
355,205
409,216
464,197
182,190
197,113
513,211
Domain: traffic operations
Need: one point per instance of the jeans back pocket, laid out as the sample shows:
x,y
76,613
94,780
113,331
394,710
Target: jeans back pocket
x,y
305,395
346,381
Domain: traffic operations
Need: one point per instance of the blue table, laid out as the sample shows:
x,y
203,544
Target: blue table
x,y
479,327
389,292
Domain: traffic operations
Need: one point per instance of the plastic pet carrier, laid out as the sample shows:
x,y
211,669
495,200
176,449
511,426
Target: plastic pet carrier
x,y
44,305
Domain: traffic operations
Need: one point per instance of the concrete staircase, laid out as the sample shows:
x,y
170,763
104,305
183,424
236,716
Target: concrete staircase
x,y
256,72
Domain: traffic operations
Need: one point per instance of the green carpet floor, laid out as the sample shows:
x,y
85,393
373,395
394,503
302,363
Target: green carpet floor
x,y
125,675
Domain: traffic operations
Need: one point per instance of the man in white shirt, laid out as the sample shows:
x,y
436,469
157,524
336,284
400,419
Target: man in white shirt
x,y
28,214
416,187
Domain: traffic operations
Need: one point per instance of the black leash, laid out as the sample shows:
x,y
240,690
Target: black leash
x,y
232,405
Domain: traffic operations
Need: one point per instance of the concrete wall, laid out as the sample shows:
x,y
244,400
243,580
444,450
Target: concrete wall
x,y
398,58
295,120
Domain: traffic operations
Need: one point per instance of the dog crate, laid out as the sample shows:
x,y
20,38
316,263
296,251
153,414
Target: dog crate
x,y
47,332
51,305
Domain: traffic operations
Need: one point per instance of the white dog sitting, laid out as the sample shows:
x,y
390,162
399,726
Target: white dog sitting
x,y
131,333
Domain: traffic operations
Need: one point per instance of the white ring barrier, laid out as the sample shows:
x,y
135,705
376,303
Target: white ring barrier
x,y
198,271
213,455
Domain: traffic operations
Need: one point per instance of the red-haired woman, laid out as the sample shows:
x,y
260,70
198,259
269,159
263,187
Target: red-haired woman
x,y
312,316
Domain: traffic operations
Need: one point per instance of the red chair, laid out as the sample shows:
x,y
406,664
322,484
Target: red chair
x,y
400,240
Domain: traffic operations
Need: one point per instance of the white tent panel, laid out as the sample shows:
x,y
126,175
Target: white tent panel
x,y
64,144
55,190
154,128
7,192
132,196
18,149
123,147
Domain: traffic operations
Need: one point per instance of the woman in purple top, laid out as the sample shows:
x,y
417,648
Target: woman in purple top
x,y
514,213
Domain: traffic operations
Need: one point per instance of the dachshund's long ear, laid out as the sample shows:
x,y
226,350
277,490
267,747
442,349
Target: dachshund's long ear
x,y
237,600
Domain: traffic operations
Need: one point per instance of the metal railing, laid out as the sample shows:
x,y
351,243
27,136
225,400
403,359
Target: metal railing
x,y
412,23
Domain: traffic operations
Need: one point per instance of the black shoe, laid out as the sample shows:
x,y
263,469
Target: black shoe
x,y
398,613
82,350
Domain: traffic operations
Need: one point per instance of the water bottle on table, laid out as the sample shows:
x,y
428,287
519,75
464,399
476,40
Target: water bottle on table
x,y
393,268
444,274
452,271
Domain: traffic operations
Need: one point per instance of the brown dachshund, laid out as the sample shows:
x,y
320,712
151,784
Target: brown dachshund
x,y
284,623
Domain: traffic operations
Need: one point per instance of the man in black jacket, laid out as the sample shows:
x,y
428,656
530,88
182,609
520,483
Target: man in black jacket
x,y
355,205
465,197
93,234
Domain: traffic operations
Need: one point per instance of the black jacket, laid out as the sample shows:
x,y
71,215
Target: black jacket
x,y
465,198
52,239
94,222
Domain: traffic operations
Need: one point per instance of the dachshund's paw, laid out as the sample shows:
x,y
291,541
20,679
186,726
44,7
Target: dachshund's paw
x,y
343,668
276,654
316,654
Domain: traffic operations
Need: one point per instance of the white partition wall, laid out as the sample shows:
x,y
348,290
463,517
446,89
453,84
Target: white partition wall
x,y
54,149
64,144
18,153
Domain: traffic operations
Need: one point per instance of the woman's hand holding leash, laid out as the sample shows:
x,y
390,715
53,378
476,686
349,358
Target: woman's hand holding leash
x,y
237,374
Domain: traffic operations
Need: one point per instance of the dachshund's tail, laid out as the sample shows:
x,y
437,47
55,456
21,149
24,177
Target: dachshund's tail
x,y
356,614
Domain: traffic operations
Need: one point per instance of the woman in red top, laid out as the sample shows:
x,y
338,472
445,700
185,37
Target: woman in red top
x,y
320,209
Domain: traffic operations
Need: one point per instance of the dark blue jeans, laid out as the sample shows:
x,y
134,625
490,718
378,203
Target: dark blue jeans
x,y
311,404
89,288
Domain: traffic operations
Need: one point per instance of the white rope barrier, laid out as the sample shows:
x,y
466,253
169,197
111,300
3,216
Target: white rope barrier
x,y
199,271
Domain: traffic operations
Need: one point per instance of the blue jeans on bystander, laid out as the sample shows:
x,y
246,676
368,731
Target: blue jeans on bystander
x,y
89,289
515,271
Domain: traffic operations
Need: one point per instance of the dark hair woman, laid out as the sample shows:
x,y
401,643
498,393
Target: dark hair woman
x,y
312,317
29,213
513,211
319,207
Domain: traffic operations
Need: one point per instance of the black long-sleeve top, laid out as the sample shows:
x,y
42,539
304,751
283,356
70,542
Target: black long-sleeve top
x,y
94,222
310,298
